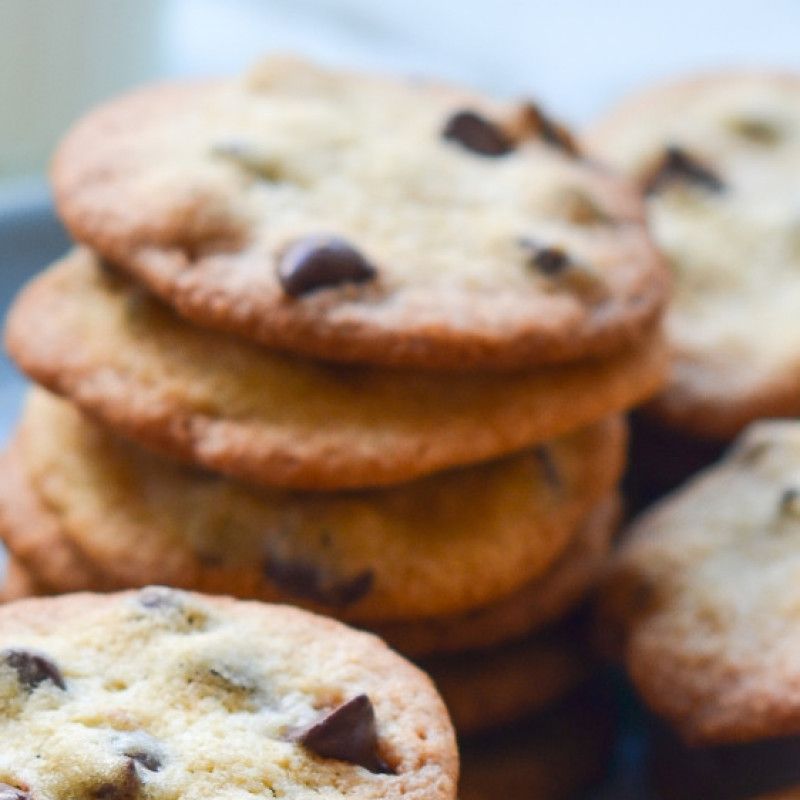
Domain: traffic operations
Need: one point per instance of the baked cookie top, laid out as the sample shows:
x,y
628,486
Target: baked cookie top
x,y
271,419
719,159
440,545
358,218
163,694
704,595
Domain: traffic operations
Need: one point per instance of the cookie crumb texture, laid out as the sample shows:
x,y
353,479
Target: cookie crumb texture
x,y
162,694
720,155
203,189
706,599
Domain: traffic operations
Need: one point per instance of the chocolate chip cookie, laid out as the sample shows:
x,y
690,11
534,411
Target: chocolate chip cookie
x,y
406,552
704,595
165,694
237,408
718,157
358,218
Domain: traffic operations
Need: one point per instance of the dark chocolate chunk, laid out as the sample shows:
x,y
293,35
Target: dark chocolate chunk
x,y
32,668
12,793
478,134
126,786
677,165
548,466
533,122
317,262
302,579
348,733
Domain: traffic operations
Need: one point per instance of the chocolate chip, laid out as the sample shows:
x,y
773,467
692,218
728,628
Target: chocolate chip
x,y
565,272
532,122
677,165
149,761
478,134
548,466
549,260
12,793
348,733
317,262
33,669
125,786
302,579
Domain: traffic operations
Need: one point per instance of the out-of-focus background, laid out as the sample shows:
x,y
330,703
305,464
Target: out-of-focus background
x,y
58,57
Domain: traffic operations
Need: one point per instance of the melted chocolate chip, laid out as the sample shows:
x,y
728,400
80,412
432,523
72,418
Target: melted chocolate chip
x,y
317,262
125,787
548,466
302,579
677,165
533,122
33,669
12,793
348,733
478,134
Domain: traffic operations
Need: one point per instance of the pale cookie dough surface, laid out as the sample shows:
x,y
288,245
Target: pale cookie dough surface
x,y
735,252
441,545
528,609
163,694
705,595
274,420
199,190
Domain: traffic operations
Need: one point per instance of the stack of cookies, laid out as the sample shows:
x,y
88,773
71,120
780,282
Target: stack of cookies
x,y
343,342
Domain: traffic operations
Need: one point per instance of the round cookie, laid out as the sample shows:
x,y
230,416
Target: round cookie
x,y
488,689
528,609
273,420
703,597
364,219
17,582
165,694
399,553
719,159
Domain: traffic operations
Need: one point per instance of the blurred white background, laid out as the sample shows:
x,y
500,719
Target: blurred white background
x,y
57,57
